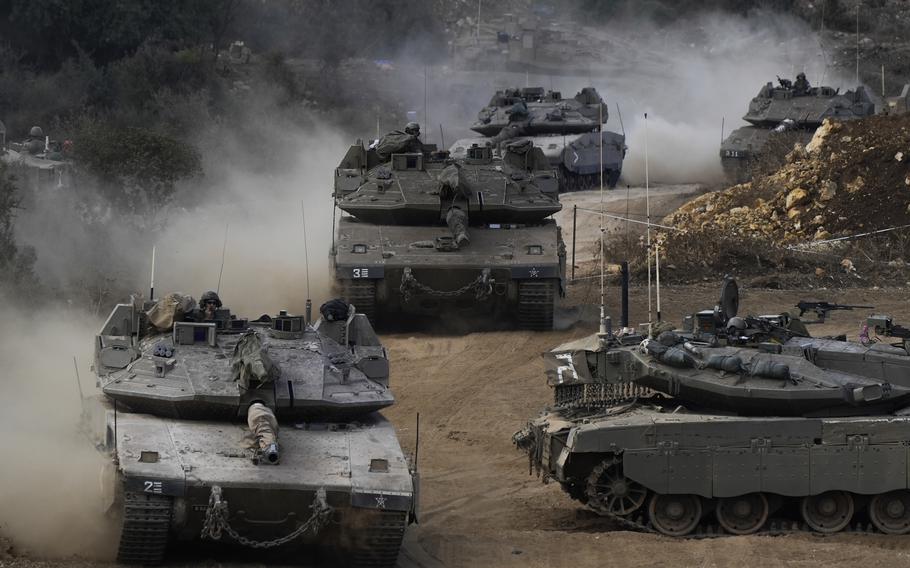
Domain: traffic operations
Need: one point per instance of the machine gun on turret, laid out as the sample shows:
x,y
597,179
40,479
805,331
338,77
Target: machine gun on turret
x,y
822,309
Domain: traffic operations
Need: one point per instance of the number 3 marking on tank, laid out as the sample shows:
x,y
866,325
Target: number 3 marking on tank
x,y
361,272
153,487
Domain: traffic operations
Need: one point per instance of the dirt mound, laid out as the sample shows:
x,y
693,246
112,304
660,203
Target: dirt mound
x,y
853,177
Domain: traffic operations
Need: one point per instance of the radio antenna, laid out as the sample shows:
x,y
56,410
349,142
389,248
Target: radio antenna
x,y
648,215
621,125
603,316
152,282
223,251
306,262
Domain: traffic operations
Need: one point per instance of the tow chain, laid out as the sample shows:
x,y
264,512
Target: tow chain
x,y
482,286
217,515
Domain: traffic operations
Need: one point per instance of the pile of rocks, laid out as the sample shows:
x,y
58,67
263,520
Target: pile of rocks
x,y
852,177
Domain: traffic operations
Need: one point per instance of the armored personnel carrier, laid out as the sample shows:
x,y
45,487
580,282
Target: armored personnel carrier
x,y
790,111
679,436
569,131
260,434
426,234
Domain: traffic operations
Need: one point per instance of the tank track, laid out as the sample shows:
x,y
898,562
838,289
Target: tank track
x,y
146,524
381,540
362,293
639,522
536,300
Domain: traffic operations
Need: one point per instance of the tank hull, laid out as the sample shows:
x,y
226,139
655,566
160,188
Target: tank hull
x,y
714,460
575,156
166,470
407,274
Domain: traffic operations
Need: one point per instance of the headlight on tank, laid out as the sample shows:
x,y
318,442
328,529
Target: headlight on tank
x,y
359,249
535,249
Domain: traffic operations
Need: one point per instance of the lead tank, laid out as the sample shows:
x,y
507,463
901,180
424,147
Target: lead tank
x,y
261,434
424,234
569,131
789,112
686,437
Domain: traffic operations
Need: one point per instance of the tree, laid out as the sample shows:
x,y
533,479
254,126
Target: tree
x,y
17,274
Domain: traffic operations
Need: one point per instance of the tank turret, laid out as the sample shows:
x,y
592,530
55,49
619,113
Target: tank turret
x,y
790,111
425,232
569,131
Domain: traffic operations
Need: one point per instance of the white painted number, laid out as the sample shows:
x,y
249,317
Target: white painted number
x,y
153,487
361,273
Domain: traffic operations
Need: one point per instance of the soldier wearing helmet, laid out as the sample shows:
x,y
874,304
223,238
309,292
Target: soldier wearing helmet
x,y
208,303
35,142
412,128
801,86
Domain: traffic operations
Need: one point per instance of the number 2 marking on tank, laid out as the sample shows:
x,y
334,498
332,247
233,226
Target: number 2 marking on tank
x,y
153,487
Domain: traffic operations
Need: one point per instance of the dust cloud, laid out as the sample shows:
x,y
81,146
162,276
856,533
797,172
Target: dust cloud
x,y
50,490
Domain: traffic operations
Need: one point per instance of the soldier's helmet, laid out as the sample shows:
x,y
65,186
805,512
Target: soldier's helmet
x,y
736,324
210,297
36,132
412,128
801,77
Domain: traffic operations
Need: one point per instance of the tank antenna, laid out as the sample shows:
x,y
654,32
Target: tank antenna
x,y
152,281
442,139
416,441
621,125
602,333
306,263
722,129
116,456
648,215
223,251
857,44
79,386
657,269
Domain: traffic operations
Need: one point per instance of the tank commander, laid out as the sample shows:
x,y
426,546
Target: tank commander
x,y
208,304
801,86
398,142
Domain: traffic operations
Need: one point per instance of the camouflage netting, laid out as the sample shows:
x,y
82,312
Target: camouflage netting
x,y
851,178
396,142
251,364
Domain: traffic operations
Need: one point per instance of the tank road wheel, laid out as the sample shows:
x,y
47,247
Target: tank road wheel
x,y
890,512
146,523
380,539
362,293
744,514
535,304
675,515
828,512
609,491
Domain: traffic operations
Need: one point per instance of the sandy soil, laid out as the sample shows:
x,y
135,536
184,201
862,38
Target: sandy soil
x,y
479,505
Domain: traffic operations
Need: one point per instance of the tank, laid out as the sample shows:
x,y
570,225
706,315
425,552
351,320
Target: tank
x,y
38,162
790,112
681,436
569,131
250,434
426,235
